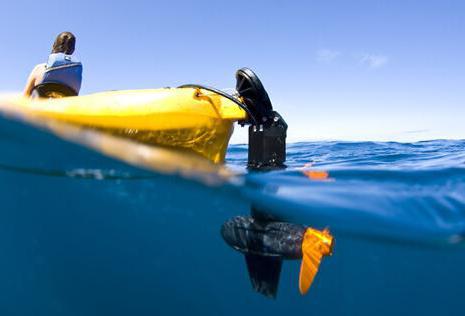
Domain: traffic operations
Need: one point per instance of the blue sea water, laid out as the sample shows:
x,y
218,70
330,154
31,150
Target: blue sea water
x,y
84,234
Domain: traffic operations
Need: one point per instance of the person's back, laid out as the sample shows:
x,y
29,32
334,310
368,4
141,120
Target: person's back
x,y
61,75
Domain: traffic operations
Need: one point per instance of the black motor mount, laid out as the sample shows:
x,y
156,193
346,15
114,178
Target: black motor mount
x,y
267,132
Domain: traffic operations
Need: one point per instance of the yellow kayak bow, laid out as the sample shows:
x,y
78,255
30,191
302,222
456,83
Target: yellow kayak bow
x,y
184,118
191,118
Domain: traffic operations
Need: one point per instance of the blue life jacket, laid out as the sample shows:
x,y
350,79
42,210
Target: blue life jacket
x,y
63,70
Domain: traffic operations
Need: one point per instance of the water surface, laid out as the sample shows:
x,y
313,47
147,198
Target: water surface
x,y
84,234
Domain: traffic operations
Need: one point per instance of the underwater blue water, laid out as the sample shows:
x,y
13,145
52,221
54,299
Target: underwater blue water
x,y
83,234
412,191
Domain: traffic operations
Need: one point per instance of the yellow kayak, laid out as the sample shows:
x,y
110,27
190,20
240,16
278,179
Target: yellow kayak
x,y
192,119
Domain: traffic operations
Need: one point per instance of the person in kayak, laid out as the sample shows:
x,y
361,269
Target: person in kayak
x,y
61,75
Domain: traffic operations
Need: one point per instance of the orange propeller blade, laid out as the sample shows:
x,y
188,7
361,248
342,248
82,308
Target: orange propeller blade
x,y
315,245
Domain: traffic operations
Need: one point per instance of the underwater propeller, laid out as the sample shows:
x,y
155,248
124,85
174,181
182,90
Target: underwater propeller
x,y
265,244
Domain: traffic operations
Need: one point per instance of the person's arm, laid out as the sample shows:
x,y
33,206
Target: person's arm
x,y
31,81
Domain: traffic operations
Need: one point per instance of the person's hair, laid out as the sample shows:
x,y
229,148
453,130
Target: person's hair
x,y
64,43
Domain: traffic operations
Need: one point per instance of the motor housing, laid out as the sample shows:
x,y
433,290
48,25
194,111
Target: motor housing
x,y
268,130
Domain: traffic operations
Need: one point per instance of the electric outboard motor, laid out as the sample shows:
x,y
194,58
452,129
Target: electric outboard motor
x,y
267,132
264,241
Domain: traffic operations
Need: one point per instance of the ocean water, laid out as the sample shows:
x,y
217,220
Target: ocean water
x,y
84,234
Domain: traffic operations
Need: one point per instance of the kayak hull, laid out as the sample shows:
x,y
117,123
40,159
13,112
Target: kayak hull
x,y
184,118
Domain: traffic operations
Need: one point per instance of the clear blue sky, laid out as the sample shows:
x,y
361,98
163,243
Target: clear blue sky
x,y
353,70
